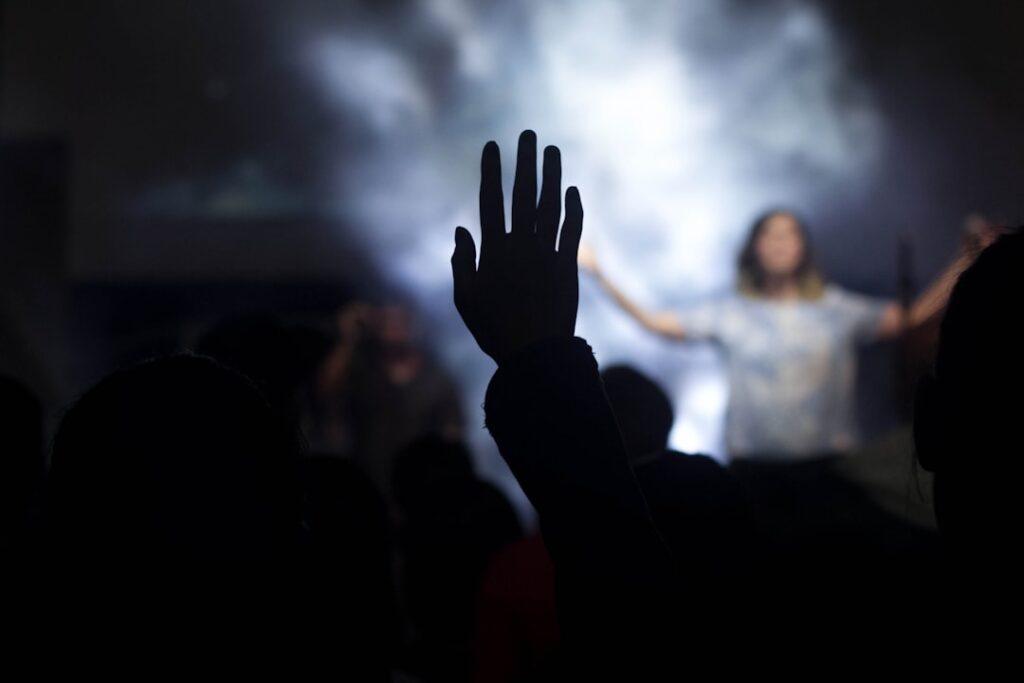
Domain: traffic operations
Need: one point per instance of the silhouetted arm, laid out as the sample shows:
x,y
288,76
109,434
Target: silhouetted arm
x,y
547,410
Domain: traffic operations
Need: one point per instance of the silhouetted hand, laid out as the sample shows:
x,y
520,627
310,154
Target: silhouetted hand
x,y
524,290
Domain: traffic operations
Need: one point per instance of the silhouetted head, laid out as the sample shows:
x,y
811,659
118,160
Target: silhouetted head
x,y
968,415
177,459
778,246
641,408
280,360
344,511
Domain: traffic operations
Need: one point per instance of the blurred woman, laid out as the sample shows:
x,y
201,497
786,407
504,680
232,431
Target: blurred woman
x,y
790,339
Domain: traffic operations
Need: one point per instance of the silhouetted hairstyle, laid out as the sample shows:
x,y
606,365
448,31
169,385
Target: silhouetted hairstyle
x,y
642,409
178,458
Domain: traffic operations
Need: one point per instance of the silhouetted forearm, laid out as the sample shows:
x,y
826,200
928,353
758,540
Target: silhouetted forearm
x,y
547,411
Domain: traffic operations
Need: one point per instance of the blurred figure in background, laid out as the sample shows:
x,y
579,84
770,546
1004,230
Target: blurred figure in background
x,y
381,389
790,340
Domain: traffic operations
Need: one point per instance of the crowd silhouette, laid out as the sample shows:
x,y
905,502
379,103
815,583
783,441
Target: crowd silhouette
x,y
327,479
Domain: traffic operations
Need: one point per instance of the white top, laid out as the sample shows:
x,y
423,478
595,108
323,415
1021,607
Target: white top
x,y
792,369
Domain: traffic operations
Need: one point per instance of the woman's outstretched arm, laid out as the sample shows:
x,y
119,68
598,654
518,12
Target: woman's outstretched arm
x,y
933,300
663,323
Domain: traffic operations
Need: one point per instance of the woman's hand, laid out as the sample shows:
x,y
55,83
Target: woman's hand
x,y
979,233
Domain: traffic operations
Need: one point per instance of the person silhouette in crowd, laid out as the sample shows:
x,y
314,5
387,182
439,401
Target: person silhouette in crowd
x,y
617,582
351,565
453,524
382,389
697,505
516,635
967,418
177,491
175,469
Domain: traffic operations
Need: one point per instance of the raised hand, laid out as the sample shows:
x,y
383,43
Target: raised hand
x,y
524,289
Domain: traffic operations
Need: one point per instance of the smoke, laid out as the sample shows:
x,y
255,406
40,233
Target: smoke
x,y
678,121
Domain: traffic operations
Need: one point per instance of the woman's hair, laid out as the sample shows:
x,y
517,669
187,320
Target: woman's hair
x,y
751,280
